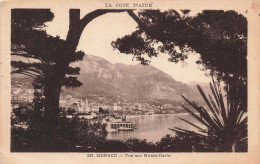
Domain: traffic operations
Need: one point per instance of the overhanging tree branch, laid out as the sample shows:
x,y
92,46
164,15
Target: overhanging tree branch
x,y
94,14
23,72
179,16
28,75
141,24
138,21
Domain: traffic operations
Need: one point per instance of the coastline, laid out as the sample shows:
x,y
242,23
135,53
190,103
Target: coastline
x,y
178,114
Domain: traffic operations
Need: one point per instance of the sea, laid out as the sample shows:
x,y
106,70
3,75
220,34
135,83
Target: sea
x,y
154,127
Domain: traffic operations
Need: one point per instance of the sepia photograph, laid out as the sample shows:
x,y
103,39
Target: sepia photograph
x,y
129,80
172,81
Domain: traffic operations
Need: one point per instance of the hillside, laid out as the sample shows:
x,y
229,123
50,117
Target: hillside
x,y
100,77
137,81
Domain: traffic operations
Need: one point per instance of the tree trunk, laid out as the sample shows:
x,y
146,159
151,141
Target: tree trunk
x,y
54,82
53,87
52,95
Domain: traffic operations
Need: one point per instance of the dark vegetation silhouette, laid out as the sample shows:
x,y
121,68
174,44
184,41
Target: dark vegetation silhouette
x,y
79,135
56,52
53,56
43,54
219,37
224,121
71,135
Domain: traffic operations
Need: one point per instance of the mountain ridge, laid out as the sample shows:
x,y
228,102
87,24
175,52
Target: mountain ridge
x,y
100,77
138,81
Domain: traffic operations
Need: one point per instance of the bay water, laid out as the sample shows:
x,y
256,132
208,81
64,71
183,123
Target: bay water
x,y
154,127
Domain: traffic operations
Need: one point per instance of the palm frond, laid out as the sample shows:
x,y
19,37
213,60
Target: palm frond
x,y
202,130
226,126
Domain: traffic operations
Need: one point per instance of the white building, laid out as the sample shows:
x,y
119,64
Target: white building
x,y
83,106
115,107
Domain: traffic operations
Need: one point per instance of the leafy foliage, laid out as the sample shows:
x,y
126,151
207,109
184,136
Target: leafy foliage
x,y
44,52
70,111
45,55
90,136
181,143
113,146
23,113
217,36
220,37
72,135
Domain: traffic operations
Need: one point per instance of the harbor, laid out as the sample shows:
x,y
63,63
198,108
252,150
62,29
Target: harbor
x,y
119,124
149,127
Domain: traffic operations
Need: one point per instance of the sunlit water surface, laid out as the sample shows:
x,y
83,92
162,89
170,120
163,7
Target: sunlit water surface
x,y
154,127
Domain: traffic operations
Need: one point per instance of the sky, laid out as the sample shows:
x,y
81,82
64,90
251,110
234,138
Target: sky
x,y
97,37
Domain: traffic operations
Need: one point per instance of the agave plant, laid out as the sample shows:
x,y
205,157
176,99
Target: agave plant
x,y
225,122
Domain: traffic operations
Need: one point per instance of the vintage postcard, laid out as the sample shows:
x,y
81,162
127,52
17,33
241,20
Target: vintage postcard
x,y
130,81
